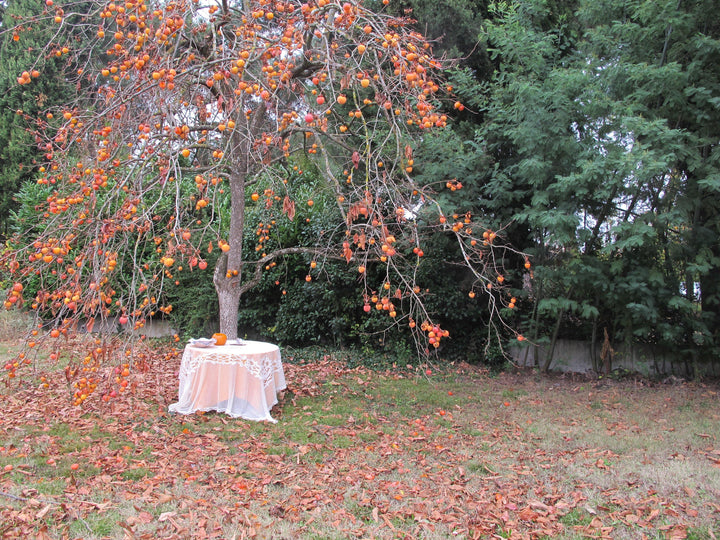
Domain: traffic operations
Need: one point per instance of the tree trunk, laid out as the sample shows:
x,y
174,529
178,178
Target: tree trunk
x,y
228,272
229,269
551,348
228,291
229,305
607,354
535,320
593,347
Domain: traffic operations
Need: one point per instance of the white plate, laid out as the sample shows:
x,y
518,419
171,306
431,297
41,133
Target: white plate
x,y
202,342
237,341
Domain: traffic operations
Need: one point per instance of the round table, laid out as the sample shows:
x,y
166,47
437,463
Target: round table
x,y
240,379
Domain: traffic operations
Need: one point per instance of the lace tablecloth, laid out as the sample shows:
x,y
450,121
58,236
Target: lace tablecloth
x,y
239,380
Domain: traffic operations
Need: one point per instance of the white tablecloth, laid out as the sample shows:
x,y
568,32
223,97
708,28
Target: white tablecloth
x,y
239,380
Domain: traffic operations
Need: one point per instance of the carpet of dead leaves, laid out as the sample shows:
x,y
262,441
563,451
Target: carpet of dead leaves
x,y
466,465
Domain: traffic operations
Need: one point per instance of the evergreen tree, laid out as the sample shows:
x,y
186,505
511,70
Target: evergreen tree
x,y
601,135
21,107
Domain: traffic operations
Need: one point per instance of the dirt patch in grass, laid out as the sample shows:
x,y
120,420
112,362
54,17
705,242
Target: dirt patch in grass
x,y
365,454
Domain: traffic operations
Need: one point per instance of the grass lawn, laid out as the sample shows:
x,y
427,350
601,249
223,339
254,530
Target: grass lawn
x,y
364,454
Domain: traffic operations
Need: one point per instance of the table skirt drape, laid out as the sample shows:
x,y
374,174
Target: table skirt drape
x,y
240,380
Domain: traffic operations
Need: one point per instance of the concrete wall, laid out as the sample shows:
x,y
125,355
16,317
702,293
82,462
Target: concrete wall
x,y
156,329
575,356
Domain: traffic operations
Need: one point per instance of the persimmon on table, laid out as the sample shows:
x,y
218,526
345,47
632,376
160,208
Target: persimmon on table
x,y
240,379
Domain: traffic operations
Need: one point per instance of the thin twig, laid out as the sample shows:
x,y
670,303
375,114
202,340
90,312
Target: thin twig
x,y
24,499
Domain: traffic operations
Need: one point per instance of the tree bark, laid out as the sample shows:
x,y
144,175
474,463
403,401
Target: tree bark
x,y
227,282
593,347
607,354
229,301
229,269
551,348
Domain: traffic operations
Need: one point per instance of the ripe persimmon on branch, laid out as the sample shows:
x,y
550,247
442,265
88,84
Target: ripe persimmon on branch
x,y
183,106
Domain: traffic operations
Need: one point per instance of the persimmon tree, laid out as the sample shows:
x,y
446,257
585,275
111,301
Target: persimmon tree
x,y
186,106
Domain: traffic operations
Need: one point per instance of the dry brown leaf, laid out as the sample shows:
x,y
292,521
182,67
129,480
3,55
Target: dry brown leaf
x,y
166,516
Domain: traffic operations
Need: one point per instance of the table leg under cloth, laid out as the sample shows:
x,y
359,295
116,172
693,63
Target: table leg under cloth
x,y
241,381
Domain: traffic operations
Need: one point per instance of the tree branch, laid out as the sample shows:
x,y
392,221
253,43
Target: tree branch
x,y
260,264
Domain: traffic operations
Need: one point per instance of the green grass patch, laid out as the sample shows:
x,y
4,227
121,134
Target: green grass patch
x,y
576,517
512,393
97,525
135,473
479,468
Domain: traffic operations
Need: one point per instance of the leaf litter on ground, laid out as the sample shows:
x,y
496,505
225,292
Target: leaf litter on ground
x,y
366,454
